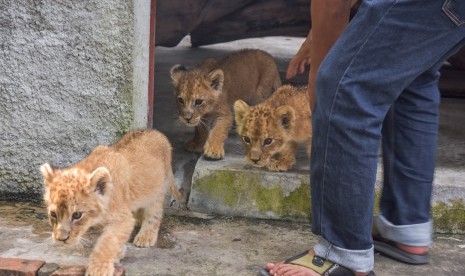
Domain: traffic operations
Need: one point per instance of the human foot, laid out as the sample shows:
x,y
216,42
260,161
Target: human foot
x,y
417,250
407,254
289,269
307,264
397,251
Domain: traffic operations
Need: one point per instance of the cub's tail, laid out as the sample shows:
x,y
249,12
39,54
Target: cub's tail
x,y
175,192
176,195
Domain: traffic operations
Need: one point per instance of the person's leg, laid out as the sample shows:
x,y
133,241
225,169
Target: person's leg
x,y
409,147
386,47
409,153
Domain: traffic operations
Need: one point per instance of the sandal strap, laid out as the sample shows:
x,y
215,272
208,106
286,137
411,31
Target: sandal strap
x,y
319,265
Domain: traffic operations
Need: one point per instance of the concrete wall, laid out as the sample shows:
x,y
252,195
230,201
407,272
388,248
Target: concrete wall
x,y
67,83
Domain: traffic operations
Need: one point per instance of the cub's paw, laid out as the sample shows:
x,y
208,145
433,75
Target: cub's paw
x,y
213,152
280,165
100,269
192,146
145,239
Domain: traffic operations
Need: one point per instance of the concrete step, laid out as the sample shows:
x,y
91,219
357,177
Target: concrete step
x,y
229,187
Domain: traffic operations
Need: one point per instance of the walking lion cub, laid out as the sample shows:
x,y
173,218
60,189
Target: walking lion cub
x,y
106,188
205,95
270,131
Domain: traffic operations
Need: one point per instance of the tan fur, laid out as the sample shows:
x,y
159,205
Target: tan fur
x,y
105,188
250,75
271,130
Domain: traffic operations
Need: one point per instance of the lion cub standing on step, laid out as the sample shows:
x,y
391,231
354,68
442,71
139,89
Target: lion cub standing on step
x,y
105,188
205,95
271,130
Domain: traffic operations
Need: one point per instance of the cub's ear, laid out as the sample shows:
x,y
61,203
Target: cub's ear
x,y
47,172
100,181
216,78
176,73
286,116
241,109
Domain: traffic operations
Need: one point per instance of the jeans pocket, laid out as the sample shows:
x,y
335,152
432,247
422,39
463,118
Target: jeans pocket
x,y
455,10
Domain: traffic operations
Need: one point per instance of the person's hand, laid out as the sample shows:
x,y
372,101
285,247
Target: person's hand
x,y
300,60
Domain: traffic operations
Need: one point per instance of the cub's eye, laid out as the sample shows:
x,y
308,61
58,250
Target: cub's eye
x,y
267,141
198,102
246,139
180,100
77,215
53,215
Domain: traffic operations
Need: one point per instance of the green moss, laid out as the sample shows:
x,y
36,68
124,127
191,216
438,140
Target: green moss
x,y
377,201
244,189
268,199
216,192
239,189
449,217
297,204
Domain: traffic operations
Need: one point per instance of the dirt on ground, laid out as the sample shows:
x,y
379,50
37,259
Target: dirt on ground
x,y
199,244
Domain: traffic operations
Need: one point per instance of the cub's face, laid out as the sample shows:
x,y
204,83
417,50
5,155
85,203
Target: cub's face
x,y
75,199
264,130
196,93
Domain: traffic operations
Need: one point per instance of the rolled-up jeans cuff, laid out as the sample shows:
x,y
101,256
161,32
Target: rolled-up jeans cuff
x,y
412,235
355,260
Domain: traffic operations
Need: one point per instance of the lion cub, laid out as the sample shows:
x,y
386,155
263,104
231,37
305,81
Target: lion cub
x,y
205,95
105,188
271,130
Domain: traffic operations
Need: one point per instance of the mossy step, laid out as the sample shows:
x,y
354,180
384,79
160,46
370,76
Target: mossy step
x,y
228,187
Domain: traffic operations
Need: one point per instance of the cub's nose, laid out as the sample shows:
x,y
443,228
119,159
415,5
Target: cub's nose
x,y
255,159
255,156
188,114
63,237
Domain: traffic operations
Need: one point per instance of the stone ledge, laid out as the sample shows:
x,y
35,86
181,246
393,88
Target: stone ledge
x,y
228,187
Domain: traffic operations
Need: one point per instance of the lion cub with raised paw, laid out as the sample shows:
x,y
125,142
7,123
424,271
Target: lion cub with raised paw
x,y
270,131
205,95
106,188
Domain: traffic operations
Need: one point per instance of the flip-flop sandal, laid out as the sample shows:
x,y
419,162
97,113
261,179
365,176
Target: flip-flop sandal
x,y
317,264
389,249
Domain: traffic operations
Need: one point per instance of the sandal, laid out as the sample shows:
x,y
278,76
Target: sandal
x,y
317,264
388,248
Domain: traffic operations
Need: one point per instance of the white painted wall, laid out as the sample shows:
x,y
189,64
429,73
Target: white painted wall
x,y
73,74
141,62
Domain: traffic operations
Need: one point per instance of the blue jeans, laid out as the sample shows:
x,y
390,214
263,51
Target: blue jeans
x,y
379,84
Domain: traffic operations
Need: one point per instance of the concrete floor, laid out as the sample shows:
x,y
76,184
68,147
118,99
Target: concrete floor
x,y
198,244
189,243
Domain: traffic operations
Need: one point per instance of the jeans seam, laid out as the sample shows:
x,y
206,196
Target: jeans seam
x,y
450,14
